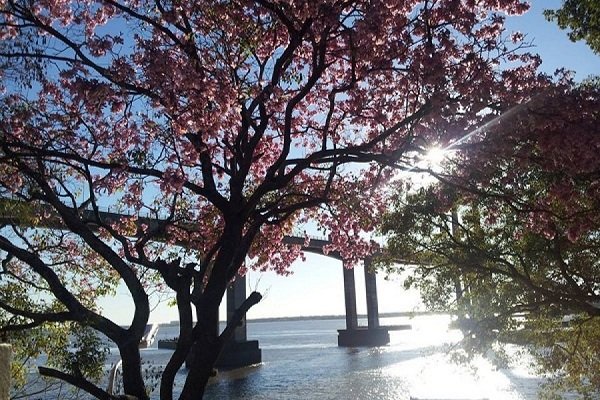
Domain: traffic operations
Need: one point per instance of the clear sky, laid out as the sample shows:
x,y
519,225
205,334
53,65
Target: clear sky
x,y
316,286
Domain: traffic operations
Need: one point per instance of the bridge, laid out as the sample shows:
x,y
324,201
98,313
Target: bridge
x,y
240,351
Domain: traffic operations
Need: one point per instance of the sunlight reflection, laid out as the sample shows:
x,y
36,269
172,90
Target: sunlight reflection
x,y
429,372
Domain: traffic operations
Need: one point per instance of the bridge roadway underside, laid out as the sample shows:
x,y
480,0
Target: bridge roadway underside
x,y
241,352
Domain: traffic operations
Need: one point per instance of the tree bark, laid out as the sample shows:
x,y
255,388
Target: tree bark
x,y
184,344
204,353
133,381
207,349
78,382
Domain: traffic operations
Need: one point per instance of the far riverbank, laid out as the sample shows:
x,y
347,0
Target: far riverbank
x,y
401,314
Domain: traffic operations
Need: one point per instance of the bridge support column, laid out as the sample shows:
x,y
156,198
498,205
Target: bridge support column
x,y
239,351
350,299
371,289
372,335
236,294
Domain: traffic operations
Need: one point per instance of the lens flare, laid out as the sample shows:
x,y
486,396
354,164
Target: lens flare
x,y
435,156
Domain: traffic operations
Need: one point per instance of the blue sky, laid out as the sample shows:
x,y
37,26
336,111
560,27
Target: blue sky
x,y
316,286
552,43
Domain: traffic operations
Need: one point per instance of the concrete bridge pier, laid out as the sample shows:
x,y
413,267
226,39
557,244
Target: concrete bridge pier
x,y
371,295
350,299
239,351
372,335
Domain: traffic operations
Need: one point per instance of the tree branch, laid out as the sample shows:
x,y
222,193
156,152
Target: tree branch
x,y
227,333
78,382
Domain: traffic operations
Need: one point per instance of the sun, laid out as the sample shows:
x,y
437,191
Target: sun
x,y
435,156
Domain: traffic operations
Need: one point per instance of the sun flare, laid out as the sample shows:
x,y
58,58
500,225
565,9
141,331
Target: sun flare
x,y
435,156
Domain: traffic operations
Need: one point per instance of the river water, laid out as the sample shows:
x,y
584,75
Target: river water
x,y
301,360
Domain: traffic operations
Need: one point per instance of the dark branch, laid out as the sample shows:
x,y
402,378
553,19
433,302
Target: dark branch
x,y
78,382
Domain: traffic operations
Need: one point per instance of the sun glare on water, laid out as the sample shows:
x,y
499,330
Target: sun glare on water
x,y
427,371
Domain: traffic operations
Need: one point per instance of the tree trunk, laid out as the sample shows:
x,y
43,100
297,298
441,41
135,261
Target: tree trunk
x,y
207,344
203,355
184,344
133,382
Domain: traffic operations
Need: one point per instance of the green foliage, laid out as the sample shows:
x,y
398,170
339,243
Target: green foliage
x,y
510,242
69,347
17,210
81,353
582,17
571,352
502,285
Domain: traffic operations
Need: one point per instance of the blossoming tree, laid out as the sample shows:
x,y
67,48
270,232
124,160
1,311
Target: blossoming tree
x,y
225,123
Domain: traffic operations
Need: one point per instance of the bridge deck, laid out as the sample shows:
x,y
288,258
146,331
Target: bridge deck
x,y
53,221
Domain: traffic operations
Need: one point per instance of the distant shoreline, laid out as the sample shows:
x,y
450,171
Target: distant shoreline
x,y
325,317
322,317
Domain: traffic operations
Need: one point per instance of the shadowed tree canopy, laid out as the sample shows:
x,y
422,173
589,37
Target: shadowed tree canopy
x,y
582,18
224,124
508,238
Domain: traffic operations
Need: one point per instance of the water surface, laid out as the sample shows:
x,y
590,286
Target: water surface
x,y
301,360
